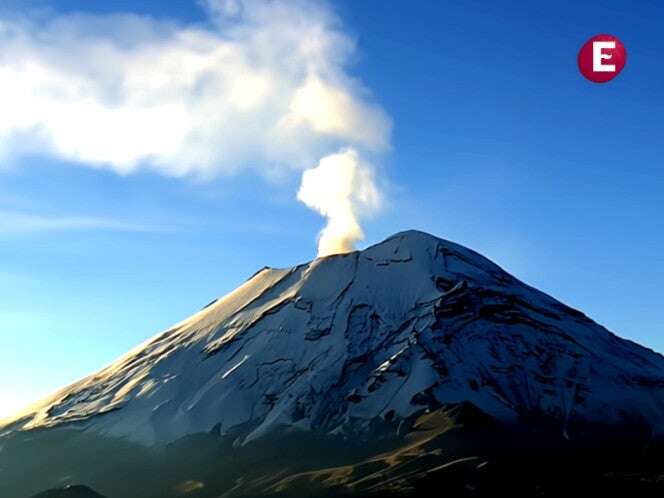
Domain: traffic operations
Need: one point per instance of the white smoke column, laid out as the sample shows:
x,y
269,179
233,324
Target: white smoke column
x,y
341,188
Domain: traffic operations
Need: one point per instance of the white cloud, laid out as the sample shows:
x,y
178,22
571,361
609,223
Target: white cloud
x,y
264,85
19,222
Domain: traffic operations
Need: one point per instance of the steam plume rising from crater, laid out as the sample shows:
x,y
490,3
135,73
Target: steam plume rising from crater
x,y
341,188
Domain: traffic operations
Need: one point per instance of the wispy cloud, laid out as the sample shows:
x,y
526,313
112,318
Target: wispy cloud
x,y
265,85
20,223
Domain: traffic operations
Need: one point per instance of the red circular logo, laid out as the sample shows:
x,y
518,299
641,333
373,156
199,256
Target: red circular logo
x,y
601,58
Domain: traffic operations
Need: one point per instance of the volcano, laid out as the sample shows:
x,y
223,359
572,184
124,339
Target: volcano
x,y
374,373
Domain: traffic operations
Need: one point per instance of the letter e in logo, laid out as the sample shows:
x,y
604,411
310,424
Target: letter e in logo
x,y
601,58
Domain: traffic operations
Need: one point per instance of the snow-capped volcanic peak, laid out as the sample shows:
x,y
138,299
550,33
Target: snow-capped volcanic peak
x,y
408,324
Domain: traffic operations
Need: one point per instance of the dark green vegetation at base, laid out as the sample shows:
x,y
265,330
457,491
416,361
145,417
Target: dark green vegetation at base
x,y
72,491
538,479
456,451
590,476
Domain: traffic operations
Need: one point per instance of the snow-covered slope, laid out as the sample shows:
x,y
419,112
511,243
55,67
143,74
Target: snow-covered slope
x,y
408,324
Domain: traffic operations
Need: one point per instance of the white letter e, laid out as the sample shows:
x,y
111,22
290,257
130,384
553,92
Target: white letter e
x,y
598,56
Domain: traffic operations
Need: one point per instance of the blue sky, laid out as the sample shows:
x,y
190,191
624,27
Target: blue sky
x,y
497,142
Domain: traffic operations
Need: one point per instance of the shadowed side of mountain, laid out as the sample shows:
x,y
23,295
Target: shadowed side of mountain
x,y
458,449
